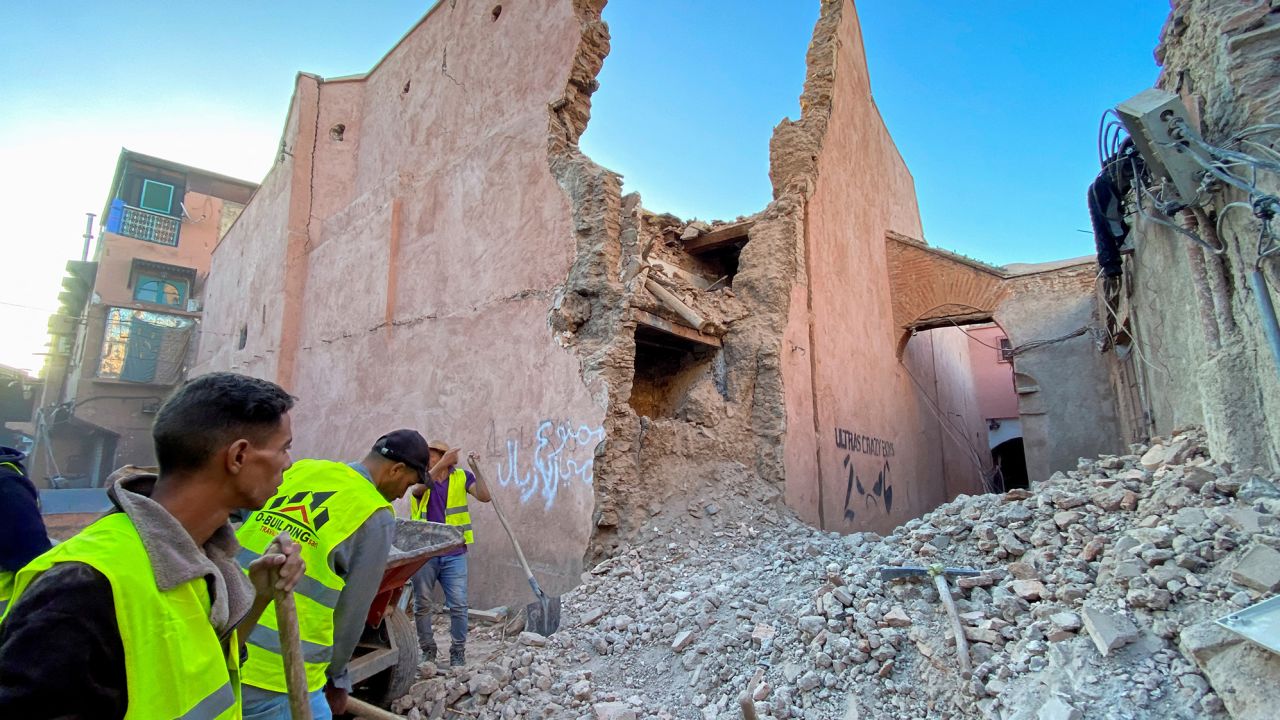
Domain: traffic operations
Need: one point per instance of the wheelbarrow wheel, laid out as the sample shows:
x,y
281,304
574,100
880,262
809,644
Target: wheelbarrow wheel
x,y
394,682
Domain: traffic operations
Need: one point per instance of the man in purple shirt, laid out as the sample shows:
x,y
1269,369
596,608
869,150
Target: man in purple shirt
x,y
445,501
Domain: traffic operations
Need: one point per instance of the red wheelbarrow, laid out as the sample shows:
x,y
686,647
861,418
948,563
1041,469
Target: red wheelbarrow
x,y
385,662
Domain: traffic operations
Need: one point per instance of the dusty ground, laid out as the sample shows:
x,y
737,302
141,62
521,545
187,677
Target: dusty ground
x,y
733,594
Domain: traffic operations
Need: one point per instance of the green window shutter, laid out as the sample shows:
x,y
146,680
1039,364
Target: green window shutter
x,y
156,197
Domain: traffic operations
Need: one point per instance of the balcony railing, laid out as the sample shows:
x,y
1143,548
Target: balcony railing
x,y
149,226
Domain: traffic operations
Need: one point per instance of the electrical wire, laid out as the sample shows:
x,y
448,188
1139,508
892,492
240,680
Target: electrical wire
x,y
958,436
973,337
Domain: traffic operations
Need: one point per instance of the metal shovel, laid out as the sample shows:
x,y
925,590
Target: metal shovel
x,y
543,615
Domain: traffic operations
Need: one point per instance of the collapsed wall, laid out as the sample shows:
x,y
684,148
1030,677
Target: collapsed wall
x,y
786,371
1189,334
450,260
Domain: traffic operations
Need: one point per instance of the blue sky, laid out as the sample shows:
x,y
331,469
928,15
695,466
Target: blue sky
x,y
993,103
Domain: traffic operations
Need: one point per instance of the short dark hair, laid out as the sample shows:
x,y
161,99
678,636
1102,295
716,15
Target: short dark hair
x,y
212,410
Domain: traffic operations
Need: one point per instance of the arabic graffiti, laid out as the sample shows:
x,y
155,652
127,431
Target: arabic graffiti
x,y
563,453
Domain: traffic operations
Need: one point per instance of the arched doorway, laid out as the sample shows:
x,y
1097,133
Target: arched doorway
x,y
1011,465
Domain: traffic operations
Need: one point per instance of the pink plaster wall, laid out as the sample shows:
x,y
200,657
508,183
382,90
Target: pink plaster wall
x,y
450,179
994,379
863,190
245,285
964,428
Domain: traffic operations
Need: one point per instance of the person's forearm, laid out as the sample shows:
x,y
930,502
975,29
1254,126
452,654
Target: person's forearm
x,y
439,471
481,487
250,621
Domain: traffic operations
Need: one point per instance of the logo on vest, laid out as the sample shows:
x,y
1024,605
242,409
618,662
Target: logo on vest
x,y
300,514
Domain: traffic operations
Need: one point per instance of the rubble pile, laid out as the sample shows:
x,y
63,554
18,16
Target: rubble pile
x,y
1095,600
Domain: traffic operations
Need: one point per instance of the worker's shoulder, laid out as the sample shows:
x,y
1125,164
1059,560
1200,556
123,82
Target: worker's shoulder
x,y
15,484
317,470
66,588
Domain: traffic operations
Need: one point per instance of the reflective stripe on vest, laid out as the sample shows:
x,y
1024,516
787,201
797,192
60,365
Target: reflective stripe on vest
x,y
320,504
174,665
456,512
6,589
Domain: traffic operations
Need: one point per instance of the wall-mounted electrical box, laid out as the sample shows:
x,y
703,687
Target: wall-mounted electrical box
x,y
1149,117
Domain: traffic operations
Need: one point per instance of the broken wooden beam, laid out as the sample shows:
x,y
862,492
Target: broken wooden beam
x,y
721,237
650,320
666,297
675,272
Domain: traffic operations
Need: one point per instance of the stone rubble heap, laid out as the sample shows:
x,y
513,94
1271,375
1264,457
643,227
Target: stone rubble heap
x,y
1096,599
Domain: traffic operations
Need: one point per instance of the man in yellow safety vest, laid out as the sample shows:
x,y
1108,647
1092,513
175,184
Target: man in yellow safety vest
x,y
341,514
141,615
444,500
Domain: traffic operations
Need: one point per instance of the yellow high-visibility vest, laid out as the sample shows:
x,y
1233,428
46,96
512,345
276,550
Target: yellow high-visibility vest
x,y
456,512
174,665
320,504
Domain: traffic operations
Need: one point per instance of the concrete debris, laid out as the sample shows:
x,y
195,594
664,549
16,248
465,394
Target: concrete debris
x,y
1109,630
1055,709
1242,675
533,639
897,617
1089,619
1258,569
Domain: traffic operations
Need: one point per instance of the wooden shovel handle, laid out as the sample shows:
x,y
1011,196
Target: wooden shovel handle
x,y
295,672
493,500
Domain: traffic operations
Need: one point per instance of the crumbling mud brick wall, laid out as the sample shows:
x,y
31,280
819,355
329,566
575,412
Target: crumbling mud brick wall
x,y
1199,354
434,250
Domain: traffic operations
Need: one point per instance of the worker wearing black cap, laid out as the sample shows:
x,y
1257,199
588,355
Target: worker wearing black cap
x,y
341,515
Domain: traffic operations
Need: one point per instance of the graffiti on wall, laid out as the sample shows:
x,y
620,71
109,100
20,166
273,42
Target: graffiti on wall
x,y
862,494
544,461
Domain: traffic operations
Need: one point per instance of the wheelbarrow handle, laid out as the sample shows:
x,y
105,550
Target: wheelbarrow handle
x,y
360,708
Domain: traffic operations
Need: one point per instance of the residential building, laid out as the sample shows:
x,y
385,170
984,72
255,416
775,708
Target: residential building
x,y
125,332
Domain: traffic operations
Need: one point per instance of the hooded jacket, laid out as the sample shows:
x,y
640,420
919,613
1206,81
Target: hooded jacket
x,y
60,649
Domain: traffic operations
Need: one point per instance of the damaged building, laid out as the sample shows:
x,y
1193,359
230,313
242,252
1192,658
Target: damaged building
x,y
1188,285
432,249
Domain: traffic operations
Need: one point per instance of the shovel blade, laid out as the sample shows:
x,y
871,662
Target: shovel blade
x,y
543,616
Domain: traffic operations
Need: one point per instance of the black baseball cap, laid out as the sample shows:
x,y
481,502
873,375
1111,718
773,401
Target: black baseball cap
x,y
406,446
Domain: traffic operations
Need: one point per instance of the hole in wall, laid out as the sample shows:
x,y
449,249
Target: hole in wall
x,y
244,336
666,369
336,132
405,89
721,264
496,12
